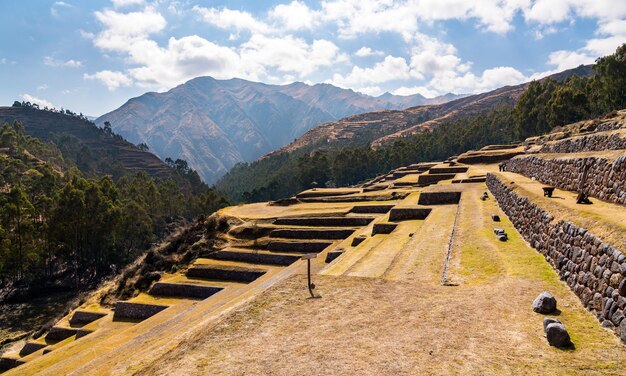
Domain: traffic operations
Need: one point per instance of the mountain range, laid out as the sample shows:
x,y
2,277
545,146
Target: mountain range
x,y
383,127
215,124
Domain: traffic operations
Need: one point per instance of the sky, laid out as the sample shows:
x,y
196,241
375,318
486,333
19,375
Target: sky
x,y
92,56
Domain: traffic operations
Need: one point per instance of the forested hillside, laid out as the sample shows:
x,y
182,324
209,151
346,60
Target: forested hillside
x,y
545,104
63,223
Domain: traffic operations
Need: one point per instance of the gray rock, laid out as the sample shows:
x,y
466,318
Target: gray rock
x,y
617,317
622,331
607,324
557,335
544,303
622,287
549,320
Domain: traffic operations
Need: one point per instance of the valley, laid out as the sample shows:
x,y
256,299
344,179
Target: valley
x,y
409,273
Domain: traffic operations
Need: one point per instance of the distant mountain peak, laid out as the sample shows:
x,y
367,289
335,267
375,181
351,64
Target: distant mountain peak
x,y
214,124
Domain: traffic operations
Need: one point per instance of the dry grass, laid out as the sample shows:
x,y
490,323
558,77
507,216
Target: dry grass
x,y
410,325
397,320
372,326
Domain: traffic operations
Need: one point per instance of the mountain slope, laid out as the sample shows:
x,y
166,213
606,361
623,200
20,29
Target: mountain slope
x,y
86,142
214,124
381,127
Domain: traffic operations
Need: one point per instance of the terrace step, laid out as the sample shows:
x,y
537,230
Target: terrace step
x,y
7,363
324,221
85,317
448,170
378,209
136,311
428,179
186,290
404,184
252,256
59,333
384,228
439,198
311,233
327,192
31,347
225,273
82,332
408,213
297,247
480,179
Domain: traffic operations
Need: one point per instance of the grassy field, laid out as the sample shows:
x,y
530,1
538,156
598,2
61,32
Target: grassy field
x,y
406,322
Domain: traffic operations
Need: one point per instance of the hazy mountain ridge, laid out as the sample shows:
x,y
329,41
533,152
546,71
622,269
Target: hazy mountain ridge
x,y
214,124
381,127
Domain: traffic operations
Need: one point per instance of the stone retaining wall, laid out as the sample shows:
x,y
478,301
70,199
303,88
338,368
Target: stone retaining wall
x,y
298,247
136,311
253,257
433,178
594,270
439,198
604,179
408,213
85,317
593,142
371,209
187,290
384,228
311,233
325,221
225,273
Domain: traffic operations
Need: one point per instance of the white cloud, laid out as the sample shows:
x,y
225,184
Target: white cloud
x,y
112,80
123,30
490,79
181,60
229,19
294,16
366,51
42,87
87,35
125,3
278,45
390,69
563,60
424,91
52,62
373,91
288,54
431,57
57,5
39,101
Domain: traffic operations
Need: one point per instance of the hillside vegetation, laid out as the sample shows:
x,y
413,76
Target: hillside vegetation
x,y
96,151
64,224
544,105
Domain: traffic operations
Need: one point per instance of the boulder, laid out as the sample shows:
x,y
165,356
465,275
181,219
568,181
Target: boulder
x,y
557,335
544,303
549,320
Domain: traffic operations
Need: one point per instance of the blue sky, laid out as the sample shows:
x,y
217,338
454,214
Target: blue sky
x,y
92,56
